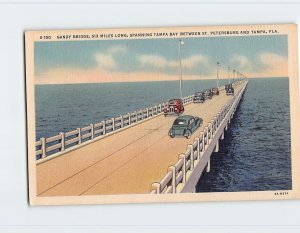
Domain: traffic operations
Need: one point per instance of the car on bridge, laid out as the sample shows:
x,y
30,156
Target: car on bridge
x,y
208,94
198,97
215,91
174,107
230,91
227,86
185,126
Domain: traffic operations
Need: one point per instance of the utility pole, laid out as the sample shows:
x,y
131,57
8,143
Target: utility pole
x,y
218,69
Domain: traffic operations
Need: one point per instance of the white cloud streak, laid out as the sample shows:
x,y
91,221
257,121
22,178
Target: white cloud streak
x,y
107,60
241,62
161,62
118,49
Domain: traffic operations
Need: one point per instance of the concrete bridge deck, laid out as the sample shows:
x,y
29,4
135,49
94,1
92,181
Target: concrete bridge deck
x,y
126,162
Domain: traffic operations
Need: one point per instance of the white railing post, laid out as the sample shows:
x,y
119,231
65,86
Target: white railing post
x,y
113,124
155,107
205,136
182,156
62,141
217,146
208,165
103,128
147,109
122,121
173,170
156,186
129,118
79,135
203,143
92,131
159,108
198,147
191,148
44,152
211,131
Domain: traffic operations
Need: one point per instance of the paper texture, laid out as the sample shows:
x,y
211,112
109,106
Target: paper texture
x,y
174,114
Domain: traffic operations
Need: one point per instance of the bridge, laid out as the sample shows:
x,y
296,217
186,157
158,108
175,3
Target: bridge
x,y
132,153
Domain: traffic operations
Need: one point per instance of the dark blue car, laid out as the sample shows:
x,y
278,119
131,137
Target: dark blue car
x,y
185,126
198,97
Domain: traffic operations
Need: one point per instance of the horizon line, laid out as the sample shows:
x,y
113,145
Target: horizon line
x,y
148,81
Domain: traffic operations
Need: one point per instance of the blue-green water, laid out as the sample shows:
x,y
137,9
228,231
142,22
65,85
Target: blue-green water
x,y
255,154
61,108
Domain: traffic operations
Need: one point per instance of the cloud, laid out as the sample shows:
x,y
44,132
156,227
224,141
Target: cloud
x,y
63,76
118,49
241,62
161,62
274,64
195,61
266,65
105,61
156,61
272,60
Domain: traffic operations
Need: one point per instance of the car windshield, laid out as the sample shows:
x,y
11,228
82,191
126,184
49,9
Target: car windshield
x,y
180,122
173,102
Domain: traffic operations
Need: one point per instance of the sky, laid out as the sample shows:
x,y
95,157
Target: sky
x,y
98,61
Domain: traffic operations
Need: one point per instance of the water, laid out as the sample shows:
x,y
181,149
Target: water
x,y
61,108
255,154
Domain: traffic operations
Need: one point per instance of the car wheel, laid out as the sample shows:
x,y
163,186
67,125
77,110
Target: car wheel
x,y
172,135
188,135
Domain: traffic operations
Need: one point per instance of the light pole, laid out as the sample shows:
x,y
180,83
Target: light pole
x,y
228,74
180,66
233,71
218,69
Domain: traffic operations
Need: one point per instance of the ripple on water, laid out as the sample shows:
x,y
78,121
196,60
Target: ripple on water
x,y
255,154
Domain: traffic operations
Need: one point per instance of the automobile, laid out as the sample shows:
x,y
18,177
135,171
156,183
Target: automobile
x,y
215,91
208,94
230,91
185,126
174,107
227,86
198,97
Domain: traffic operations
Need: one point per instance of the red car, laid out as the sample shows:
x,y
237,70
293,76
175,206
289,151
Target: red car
x,y
215,91
174,107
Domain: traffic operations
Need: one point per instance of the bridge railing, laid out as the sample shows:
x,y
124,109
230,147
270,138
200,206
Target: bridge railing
x,y
177,174
58,144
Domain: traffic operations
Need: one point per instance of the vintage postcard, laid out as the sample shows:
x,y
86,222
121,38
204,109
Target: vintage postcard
x,y
178,114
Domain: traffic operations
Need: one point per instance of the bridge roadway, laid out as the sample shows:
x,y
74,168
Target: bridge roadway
x,y
126,162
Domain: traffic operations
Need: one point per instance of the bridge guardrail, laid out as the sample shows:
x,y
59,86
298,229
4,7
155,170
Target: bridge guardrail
x,y
177,173
64,141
